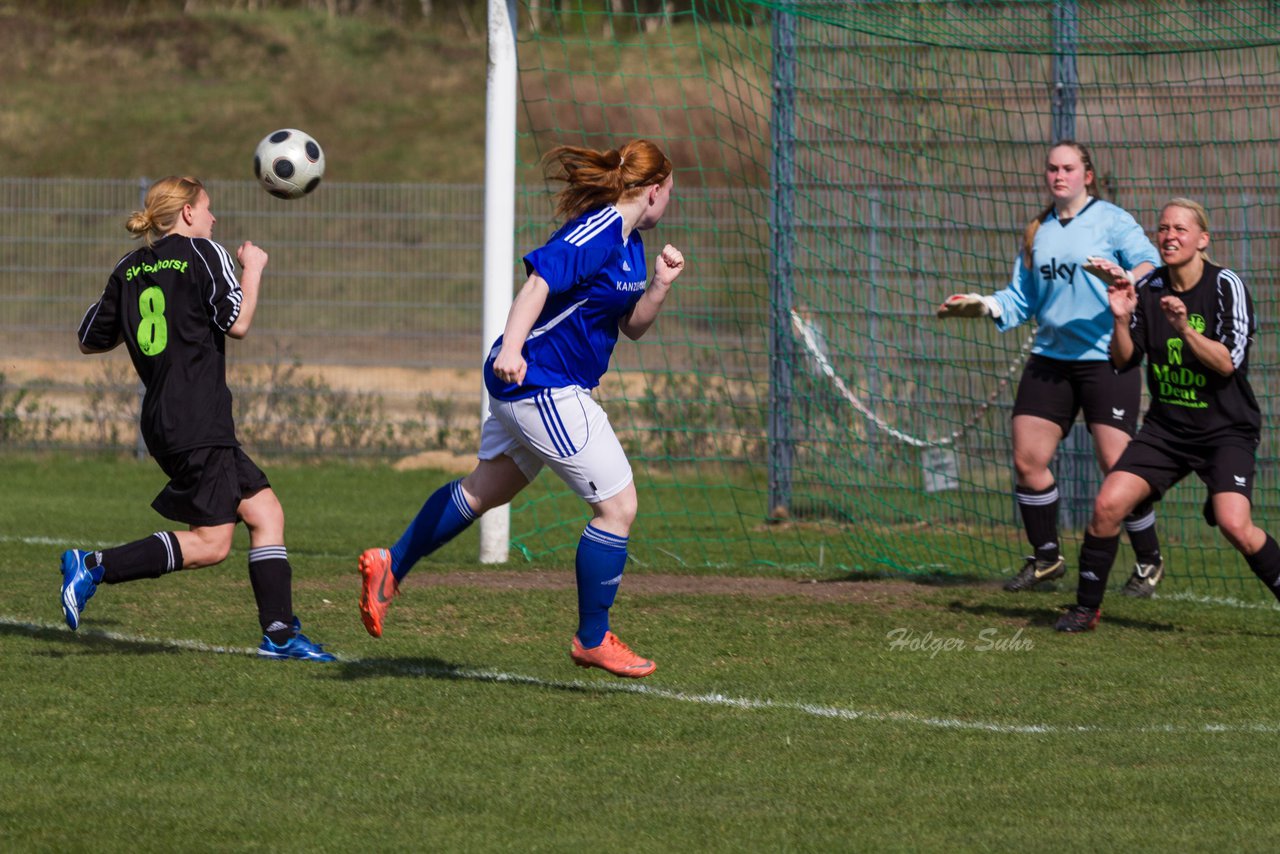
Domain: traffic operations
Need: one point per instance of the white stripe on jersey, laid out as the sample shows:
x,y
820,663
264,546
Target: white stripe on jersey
x,y
555,321
86,326
228,270
592,226
93,309
1239,316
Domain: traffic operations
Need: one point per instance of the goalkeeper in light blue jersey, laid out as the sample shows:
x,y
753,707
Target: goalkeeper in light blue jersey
x,y
1055,282
586,284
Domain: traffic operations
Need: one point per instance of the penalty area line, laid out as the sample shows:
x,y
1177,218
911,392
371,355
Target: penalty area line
x,y
717,699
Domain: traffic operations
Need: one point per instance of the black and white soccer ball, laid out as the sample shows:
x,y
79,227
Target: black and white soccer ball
x,y
288,163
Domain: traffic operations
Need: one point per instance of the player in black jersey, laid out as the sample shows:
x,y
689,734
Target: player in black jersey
x,y
173,302
1193,322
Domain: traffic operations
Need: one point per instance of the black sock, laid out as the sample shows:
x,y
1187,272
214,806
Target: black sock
x,y
150,557
1265,563
1040,518
272,579
1096,556
1141,525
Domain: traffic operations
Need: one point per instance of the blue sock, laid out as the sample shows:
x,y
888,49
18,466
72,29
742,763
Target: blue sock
x,y
443,516
601,558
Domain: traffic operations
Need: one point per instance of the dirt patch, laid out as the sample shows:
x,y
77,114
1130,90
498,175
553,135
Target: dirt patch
x,y
885,593
442,460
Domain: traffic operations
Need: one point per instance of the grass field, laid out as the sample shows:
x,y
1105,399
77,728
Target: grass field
x,y
881,715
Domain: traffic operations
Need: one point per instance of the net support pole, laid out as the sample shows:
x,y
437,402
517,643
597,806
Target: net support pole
x,y
499,225
1077,471
781,275
871,288
1066,80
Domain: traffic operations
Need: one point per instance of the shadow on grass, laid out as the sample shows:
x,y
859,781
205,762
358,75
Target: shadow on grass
x,y
1048,616
412,666
87,642
923,579
435,668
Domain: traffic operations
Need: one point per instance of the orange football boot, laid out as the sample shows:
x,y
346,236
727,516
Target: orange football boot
x,y
612,655
377,590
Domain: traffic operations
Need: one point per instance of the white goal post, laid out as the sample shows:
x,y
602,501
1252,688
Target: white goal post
x,y
499,225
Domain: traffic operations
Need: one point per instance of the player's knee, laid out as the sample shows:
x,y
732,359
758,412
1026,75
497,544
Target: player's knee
x,y
629,508
1026,468
205,549
219,552
619,512
263,514
1237,532
1108,515
479,497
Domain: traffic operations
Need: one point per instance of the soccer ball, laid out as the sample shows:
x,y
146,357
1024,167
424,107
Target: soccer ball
x,y
288,163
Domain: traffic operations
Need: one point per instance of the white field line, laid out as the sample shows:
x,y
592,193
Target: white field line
x,y
711,699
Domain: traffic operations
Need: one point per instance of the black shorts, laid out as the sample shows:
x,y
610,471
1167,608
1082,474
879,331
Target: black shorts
x,y
1162,462
206,485
1057,391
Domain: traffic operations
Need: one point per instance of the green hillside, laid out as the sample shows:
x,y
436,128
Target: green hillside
x,y
106,96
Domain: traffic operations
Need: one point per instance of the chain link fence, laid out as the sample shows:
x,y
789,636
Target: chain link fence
x,y
368,333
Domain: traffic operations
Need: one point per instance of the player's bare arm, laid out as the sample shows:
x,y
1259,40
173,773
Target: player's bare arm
x,y
666,269
253,261
1213,354
509,365
1123,300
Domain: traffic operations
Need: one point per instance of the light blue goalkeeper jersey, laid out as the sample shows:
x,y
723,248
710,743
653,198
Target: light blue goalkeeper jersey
x,y
1069,305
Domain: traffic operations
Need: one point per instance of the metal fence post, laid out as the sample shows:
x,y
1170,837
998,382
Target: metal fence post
x,y
781,283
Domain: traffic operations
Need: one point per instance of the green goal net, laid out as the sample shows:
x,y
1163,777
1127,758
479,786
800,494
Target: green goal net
x,y
841,168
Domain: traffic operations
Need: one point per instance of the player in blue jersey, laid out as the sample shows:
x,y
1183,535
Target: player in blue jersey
x,y
1193,322
586,284
1054,282
174,302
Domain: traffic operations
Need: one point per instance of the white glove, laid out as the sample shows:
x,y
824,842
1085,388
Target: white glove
x,y
964,305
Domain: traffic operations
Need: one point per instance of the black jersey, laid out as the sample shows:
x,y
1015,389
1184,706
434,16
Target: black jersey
x,y
173,303
1189,401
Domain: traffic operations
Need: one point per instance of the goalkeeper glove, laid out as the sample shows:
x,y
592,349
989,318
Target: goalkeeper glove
x,y
968,305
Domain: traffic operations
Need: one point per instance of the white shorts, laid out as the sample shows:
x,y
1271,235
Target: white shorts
x,y
563,428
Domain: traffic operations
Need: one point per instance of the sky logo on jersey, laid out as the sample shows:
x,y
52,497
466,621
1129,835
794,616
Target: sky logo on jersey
x,y
1054,270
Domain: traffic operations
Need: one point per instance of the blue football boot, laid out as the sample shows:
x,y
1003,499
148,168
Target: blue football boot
x,y
79,583
299,646
297,631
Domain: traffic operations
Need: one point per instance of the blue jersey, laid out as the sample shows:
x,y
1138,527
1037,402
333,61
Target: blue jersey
x,y
1070,306
595,278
